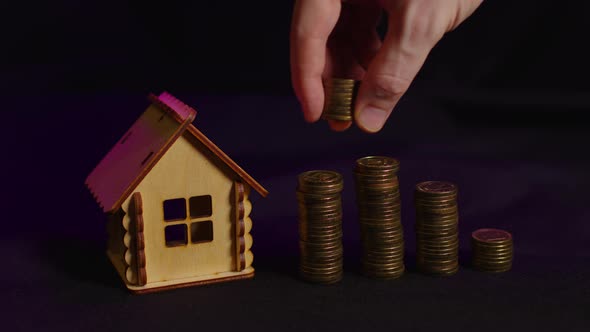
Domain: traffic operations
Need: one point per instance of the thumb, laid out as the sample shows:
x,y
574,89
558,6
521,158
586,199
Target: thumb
x,y
390,73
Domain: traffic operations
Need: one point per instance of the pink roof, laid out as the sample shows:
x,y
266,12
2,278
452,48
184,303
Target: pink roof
x,y
148,139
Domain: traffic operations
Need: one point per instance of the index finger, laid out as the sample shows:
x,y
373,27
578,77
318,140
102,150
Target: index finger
x,y
313,21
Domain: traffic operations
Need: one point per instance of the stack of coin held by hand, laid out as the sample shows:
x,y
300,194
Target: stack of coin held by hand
x,y
492,250
379,206
339,99
437,228
320,226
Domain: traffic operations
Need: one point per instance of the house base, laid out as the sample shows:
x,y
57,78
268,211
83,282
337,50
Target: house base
x,y
152,287
190,282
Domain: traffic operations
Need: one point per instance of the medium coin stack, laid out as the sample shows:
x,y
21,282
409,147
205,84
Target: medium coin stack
x,y
379,205
339,99
320,226
437,228
492,250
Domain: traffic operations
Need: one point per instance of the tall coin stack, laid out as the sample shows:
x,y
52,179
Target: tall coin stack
x,y
339,99
492,250
320,226
379,205
437,228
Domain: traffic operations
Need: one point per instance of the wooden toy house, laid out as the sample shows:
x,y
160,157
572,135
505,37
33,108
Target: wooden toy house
x,y
177,206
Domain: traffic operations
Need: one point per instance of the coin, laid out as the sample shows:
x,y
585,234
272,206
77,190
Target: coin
x,y
491,235
379,207
437,217
377,163
439,271
492,250
316,182
339,98
436,188
320,226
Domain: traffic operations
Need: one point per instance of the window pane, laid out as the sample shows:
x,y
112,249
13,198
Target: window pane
x,y
202,231
175,209
175,235
200,206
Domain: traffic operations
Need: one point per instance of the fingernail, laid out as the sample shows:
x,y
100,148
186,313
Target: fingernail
x,y
372,119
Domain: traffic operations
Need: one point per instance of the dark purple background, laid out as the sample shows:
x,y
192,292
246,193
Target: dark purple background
x,y
533,46
500,109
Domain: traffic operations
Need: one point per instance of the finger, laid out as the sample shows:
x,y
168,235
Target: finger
x,y
464,9
365,37
405,48
352,44
312,24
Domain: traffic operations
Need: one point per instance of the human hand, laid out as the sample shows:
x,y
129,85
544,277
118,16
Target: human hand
x,y
330,38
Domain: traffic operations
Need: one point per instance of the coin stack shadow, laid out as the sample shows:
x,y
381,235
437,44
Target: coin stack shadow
x,y
437,228
339,99
320,226
492,250
379,205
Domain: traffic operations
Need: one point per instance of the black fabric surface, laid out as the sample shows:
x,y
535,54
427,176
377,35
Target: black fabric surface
x,y
518,167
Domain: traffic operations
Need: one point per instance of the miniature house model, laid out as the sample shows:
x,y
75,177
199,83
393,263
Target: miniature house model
x,y
177,205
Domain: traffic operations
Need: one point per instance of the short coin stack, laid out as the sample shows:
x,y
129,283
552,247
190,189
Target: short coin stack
x,y
320,226
437,229
492,250
379,205
339,99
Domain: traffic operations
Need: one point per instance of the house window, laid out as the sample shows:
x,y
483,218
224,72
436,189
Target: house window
x,y
193,227
175,209
175,235
202,231
200,206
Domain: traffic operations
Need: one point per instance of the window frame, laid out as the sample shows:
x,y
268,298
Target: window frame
x,y
189,220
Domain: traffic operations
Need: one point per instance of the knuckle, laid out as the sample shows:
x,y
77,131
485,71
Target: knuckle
x,y
427,28
425,22
390,86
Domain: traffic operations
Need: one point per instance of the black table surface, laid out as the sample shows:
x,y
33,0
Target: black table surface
x,y
520,168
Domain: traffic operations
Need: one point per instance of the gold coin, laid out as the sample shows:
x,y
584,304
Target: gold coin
x,y
420,198
497,268
319,177
340,80
491,235
380,249
430,218
439,250
492,248
377,162
440,230
494,252
313,198
338,118
436,188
